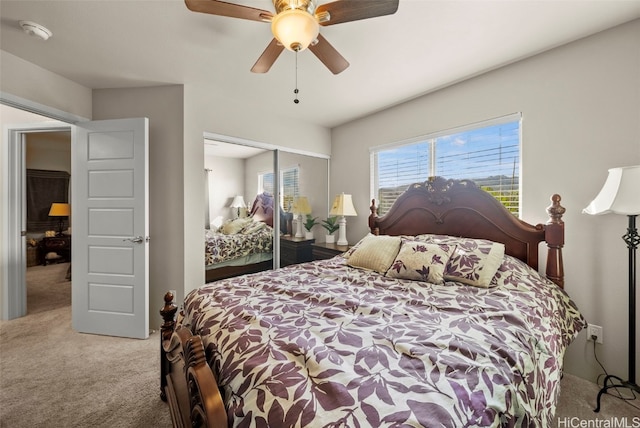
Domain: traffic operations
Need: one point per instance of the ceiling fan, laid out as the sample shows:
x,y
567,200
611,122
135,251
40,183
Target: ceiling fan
x,y
296,25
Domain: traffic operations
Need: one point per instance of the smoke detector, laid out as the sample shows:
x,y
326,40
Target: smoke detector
x,y
35,29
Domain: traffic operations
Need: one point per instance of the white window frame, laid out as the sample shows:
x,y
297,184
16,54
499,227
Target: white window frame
x,y
431,139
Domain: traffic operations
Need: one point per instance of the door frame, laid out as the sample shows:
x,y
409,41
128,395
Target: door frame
x,y
14,290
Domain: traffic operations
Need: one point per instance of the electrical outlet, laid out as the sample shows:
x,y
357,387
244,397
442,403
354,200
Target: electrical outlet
x,y
595,331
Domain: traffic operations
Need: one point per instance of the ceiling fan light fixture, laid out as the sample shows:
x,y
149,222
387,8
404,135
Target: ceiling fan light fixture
x,y
295,29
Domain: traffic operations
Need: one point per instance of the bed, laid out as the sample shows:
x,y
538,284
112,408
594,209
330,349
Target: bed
x,y
243,245
416,333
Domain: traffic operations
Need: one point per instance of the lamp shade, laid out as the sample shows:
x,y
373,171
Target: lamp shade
x,y
238,202
59,210
343,206
301,206
620,193
295,29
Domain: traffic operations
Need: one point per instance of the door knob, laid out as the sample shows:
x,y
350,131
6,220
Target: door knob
x,y
137,239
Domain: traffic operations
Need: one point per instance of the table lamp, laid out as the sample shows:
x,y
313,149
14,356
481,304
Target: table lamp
x,y
342,207
60,210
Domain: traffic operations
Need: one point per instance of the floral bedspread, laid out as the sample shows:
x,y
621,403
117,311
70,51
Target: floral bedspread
x,y
326,345
220,247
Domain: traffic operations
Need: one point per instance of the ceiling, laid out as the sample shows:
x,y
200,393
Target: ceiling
x,y
425,45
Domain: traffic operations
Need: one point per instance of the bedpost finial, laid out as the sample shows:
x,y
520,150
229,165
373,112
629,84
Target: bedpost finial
x,y
168,313
168,297
555,210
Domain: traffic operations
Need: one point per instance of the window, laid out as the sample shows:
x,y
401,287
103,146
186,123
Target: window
x,y
44,187
487,153
289,185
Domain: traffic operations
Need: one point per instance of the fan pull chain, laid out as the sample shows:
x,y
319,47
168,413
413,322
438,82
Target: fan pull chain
x,y
295,91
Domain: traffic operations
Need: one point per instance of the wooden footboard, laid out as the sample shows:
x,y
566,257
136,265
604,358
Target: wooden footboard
x,y
187,383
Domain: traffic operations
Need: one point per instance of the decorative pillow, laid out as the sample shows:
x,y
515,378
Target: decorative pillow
x,y
375,253
420,261
354,247
231,227
474,262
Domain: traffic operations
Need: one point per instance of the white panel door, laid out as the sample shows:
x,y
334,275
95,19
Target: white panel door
x,y
110,231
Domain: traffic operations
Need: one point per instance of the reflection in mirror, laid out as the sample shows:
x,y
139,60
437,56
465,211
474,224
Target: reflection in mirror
x,y
304,201
238,215
241,175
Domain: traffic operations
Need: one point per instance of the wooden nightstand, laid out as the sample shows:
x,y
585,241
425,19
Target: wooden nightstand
x,y
323,250
295,250
60,245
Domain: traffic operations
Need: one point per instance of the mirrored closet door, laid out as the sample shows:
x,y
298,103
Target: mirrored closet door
x,y
253,214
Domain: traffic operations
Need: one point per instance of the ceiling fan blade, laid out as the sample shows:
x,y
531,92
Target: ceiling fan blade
x,y
353,10
216,7
268,57
328,55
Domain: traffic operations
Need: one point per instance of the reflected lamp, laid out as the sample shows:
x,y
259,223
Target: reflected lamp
x,y
299,209
238,203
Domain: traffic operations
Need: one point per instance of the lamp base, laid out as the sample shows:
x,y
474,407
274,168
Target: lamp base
x,y
623,384
342,231
60,227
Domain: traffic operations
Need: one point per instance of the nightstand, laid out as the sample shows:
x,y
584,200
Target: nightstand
x,y
295,250
323,250
60,245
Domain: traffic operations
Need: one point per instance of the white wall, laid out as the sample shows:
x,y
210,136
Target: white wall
x,y
23,79
226,180
581,115
50,152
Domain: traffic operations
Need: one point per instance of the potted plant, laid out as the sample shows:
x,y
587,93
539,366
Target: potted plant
x,y
308,224
331,225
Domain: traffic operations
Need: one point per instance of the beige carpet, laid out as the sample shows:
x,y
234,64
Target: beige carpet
x,y
51,376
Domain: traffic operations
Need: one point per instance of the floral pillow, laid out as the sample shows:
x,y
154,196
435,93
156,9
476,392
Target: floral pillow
x,y
474,262
421,261
375,253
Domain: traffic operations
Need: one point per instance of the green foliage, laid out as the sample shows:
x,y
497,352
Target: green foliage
x,y
331,224
310,222
508,198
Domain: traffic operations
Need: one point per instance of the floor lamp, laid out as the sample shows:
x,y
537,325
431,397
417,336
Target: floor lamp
x,y
621,195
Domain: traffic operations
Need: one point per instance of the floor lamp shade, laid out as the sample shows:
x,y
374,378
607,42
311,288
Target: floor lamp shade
x,y
343,206
621,195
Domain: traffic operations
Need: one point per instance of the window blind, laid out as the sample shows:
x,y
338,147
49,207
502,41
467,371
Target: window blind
x,y
487,153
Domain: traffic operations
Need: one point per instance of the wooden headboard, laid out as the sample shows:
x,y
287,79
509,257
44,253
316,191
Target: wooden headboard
x,y
461,208
262,208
